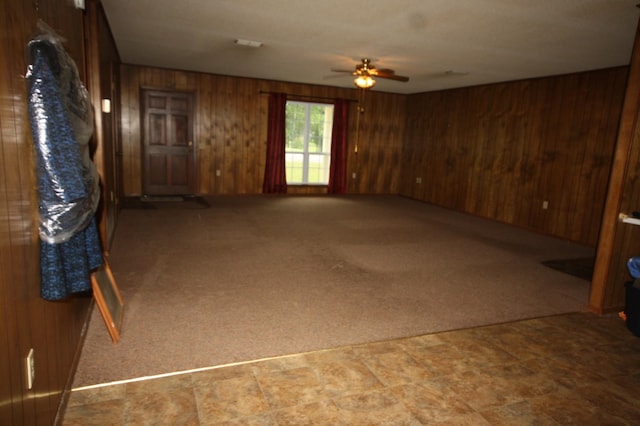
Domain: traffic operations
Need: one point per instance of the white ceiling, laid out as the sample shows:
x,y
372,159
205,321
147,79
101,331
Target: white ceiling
x,y
439,44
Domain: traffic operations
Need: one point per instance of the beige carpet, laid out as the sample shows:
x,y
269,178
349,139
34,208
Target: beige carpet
x,y
258,276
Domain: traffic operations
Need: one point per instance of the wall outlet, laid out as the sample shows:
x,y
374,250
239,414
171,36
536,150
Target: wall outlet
x,y
418,180
30,368
218,172
545,205
353,175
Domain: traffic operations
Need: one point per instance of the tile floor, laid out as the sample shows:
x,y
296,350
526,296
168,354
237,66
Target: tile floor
x,y
579,369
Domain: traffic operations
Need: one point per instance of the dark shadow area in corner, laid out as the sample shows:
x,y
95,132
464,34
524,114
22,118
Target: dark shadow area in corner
x,y
581,267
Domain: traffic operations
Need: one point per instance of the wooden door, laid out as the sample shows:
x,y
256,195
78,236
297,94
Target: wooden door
x,y
168,154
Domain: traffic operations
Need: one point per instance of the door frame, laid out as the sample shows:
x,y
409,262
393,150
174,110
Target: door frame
x,y
193,175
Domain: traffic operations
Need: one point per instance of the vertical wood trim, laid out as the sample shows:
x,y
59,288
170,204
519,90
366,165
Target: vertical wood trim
x,y
92,62
610,221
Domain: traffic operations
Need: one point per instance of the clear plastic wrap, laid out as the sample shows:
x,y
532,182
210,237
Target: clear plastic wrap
x,y
61,118
62,124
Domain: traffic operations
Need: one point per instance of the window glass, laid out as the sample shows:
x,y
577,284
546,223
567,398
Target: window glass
x,y
308,142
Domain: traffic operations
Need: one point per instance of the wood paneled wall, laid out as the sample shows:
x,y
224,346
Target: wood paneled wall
x,y
499,151
231,130
53,330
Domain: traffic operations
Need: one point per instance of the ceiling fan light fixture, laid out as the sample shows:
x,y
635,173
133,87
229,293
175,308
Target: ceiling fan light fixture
x,y
364,82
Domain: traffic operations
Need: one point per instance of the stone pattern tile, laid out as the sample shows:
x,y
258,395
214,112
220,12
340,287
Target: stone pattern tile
x,y
569,369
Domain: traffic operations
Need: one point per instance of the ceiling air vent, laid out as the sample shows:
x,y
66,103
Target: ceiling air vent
x,y
248,43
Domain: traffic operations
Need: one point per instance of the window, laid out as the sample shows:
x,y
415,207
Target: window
x,y
308,147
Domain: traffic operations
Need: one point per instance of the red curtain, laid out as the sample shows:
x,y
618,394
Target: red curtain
x,y
275,178
338,168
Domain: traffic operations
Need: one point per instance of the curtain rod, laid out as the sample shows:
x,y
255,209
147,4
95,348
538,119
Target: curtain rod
x,y
324,98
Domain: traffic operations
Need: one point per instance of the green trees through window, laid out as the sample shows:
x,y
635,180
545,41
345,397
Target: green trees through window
x,y
308,142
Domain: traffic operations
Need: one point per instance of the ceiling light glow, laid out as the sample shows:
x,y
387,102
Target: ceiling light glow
x,y
364,82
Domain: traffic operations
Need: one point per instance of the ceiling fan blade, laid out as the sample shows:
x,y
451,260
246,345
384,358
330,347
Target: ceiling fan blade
x,y
340,70
392,76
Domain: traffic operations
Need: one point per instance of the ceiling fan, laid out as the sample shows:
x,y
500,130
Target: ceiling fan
x,y
365,72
